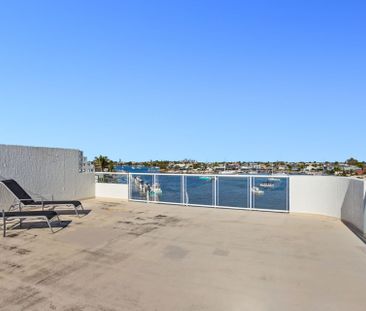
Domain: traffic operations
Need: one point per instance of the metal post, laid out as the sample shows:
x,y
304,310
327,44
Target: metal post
x,y
154,185
186,197
145,188
248,192
182,189
251,193
288,194
129,186
215,191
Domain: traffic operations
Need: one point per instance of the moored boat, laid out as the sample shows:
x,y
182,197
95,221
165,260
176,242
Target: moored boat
x,y
266,185
205,178
257,191
274,179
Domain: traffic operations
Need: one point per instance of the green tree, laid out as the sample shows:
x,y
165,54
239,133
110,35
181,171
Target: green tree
x,y
110,166
101,163
352,161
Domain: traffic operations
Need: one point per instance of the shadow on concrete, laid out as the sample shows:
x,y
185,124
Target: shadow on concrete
x,y
71,212
353,209
59,225
355,230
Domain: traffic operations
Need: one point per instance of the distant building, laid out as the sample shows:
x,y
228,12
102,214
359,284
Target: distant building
x,y
310,168
85,166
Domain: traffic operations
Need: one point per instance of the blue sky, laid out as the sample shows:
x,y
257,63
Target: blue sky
x,y
208,80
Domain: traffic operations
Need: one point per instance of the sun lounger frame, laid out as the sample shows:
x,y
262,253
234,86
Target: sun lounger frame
x,y
8,216
19,203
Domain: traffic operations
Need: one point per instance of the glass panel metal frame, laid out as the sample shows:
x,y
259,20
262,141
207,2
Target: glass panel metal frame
x,y
256,189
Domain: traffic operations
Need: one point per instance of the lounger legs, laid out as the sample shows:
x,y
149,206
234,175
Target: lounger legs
x,y
76,211
39,218
49,224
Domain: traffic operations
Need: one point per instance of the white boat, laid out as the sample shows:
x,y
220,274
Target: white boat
x,y
138,181
266,185
274,179
155,189
257,191
205,178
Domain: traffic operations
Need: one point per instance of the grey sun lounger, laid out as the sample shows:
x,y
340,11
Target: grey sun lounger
x,y
25,200
47,216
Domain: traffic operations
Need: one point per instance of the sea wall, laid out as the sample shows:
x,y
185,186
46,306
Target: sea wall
x,y
51,172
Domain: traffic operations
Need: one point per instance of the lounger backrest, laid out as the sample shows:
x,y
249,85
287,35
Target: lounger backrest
x,y
17,190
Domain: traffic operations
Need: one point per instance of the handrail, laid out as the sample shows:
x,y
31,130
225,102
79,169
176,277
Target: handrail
x,y
212,175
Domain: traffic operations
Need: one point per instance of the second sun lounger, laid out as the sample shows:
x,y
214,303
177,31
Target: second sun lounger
x,y
46,216
25,200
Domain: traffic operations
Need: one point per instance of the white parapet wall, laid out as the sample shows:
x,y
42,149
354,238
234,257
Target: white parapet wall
x,y
115,191
353,208
51,172
54,173
339,197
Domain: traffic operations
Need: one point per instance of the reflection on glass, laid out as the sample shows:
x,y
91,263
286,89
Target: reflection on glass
x,y
199,190
141,186
112,178
168,188
233,191
270,193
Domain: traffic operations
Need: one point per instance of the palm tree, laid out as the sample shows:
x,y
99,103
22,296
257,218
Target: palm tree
x,y
110,166
101,163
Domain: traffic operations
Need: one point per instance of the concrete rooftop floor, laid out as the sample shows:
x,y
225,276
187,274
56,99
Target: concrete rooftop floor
x,y
136,256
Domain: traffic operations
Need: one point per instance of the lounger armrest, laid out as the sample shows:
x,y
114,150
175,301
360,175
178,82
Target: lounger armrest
x,y
40,197
28,200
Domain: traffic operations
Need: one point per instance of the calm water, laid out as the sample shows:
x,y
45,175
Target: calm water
x,y
231,191
136,169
